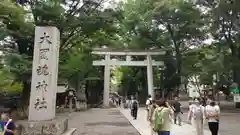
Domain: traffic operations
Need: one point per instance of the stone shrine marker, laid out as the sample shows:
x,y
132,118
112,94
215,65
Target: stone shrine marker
x,y
44,74
42,120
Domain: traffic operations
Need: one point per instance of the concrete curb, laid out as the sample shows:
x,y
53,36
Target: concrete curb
x,y
130,119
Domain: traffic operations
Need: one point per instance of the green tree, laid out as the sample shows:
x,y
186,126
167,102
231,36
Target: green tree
x,y
81,25
223,17
7,82
224,27
172,24
182,24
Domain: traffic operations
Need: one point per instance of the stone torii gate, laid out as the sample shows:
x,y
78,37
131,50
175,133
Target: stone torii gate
x,y
108,62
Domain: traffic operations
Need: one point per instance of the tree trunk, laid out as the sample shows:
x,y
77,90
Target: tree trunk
x,y
178,53
77,85
25,94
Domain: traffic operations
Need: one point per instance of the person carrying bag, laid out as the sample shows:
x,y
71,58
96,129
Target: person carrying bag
x,y
7,125
161,118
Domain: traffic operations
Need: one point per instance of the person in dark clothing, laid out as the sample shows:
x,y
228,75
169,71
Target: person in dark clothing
x,y
204,101
119,101
134,108
177,112
7,125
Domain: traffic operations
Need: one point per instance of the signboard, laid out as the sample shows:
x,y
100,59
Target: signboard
x,y
61,89
236,98
236,90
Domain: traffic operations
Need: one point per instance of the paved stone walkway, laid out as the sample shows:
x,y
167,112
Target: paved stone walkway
x,y
101,122
229,123
143,127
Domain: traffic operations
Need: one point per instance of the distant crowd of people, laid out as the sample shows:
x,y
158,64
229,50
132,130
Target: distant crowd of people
x,y
161,113
116,100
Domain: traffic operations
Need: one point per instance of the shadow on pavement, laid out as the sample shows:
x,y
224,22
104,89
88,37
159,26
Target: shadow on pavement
x,y
118,124
114,113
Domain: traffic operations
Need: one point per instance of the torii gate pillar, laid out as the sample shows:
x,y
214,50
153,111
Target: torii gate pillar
x,y
106,81
149,63
150,76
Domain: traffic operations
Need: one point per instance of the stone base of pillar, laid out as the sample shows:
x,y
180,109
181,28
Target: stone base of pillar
x,y
237,105
81,106
57,126
105,106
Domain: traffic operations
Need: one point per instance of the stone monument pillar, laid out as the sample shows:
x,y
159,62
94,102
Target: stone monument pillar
x,y
42,120
44,74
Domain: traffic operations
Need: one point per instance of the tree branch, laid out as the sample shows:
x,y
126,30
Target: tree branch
x,y
177,47
196,83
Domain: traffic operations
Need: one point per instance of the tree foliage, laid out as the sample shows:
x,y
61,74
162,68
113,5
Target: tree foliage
x,y
83,25
181,27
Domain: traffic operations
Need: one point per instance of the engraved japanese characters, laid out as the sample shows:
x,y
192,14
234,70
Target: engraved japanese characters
x,y
41,102
45,37
42,70
44,74
43,53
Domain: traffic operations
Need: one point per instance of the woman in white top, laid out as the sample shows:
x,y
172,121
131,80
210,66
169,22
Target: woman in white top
x,y
196,116
148,105
212,115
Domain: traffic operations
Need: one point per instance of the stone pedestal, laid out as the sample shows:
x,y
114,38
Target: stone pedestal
x,y
57,126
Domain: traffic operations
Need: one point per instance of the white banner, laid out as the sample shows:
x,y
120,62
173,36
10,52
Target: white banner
x,y
236,98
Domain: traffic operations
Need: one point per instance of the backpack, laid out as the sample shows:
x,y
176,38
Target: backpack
x,y
197,112
150,102
134,105
158,121
152,108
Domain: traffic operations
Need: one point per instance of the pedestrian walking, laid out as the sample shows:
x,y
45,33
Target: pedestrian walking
x,y
161,118
177,111
148,104
130,102
7,125
119,101
126,102
196,116
134,108
151,123
212,115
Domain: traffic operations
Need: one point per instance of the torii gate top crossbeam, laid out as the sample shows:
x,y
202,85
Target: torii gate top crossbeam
x,y
104,51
